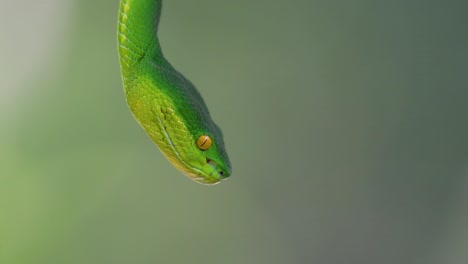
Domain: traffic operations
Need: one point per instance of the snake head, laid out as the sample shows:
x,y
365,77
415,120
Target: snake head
x,y
175,117
205,161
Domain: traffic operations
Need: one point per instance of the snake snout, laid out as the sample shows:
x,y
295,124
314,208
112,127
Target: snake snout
x,y
222,174
217,169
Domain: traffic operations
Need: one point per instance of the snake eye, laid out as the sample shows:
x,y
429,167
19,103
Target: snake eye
x,y
204,142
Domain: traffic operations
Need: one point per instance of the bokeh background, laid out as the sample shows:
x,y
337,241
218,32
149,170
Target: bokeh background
x,y
345,121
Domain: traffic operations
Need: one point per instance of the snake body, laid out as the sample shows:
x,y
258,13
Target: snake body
x,y
167,105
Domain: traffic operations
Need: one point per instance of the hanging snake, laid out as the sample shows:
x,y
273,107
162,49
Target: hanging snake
x,y
166,104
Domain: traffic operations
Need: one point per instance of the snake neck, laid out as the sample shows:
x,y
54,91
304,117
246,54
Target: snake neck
x,y
137,32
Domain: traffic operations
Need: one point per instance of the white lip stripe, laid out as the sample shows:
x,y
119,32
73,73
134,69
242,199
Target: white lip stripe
x,y
179,158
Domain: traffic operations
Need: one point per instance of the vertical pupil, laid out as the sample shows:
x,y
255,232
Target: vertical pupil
x,y
204,142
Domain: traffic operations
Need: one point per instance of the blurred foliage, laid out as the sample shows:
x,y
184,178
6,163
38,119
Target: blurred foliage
x,y
345,123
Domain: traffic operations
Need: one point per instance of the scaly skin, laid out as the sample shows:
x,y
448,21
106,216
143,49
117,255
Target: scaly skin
x,y
163,101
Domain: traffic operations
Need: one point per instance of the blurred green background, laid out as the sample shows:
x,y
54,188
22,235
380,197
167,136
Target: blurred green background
x,y
345,121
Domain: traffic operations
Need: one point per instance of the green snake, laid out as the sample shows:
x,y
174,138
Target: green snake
x,y
167,105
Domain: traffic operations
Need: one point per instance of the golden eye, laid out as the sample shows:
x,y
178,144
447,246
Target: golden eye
x,y
204,142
